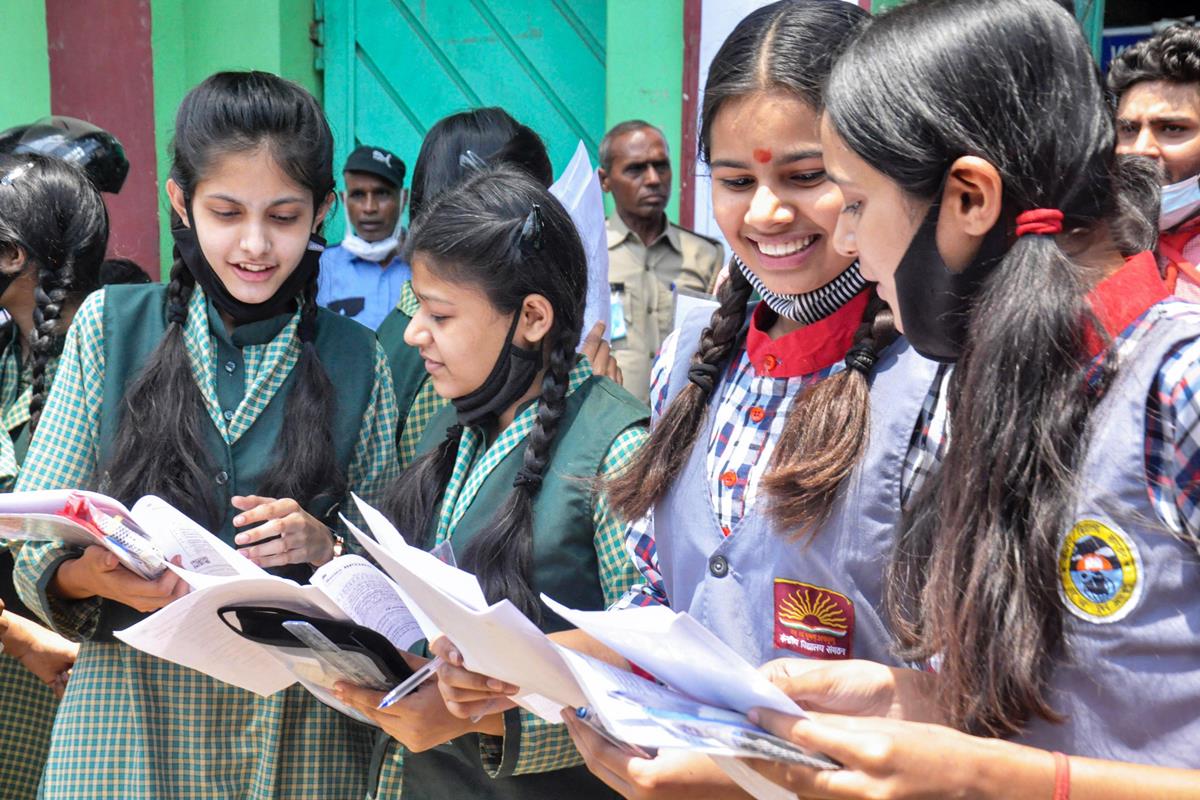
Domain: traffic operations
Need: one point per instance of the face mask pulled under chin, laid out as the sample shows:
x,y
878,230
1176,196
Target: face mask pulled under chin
x,y
379,251
1180,202
934,301
510,378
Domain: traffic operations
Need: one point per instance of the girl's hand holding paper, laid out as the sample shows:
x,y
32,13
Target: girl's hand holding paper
x,y
420,720
98,573
469,695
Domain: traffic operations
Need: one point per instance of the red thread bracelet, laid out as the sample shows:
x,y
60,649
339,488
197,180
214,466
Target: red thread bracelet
x,y
1062,777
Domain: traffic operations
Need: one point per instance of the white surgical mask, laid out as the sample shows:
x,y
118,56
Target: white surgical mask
x,y
374,251
1180,202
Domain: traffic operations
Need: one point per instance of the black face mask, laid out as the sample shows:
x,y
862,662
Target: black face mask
x,y
241,313
935,302
511,377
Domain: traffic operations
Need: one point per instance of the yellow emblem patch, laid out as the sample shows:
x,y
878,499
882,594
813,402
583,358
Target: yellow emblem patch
x,y
1100,572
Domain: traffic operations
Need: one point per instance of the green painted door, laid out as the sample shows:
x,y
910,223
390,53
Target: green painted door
x,y
395,67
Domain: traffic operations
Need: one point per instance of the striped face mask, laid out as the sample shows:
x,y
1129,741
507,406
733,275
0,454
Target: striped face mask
x,y
813,306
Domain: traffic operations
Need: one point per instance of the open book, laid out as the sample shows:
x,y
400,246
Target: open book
x,y
700,703
145,538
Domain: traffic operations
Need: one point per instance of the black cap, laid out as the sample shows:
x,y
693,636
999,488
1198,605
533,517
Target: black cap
x,y
377,161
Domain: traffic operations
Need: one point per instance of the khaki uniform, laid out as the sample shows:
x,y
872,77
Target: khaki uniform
x,y
643,277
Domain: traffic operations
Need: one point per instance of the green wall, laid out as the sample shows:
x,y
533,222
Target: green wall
x,y
25,67
645,81
194,38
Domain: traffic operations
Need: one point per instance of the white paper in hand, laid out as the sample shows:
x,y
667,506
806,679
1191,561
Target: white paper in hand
x,y
681,653
578,189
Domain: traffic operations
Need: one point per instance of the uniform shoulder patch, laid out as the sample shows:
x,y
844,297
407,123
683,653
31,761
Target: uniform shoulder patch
x,y
1100,572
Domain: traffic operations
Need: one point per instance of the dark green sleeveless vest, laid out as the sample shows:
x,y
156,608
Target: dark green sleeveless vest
x,y
134,323
408,370
565,567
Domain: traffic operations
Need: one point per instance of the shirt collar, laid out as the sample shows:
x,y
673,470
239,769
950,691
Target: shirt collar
x,y
1122,297
806,350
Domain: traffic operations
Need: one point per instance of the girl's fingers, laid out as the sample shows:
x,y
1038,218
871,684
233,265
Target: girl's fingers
x,y
445,649
835,736
459,679
266,509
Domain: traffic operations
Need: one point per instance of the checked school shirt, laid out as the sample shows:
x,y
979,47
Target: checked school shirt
x,y
756,395
543,746
1172,429
137,727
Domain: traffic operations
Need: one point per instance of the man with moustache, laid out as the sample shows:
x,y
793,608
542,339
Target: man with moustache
x,y
648,255
1156,84
361,278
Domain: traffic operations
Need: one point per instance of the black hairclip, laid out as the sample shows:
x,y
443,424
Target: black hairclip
x,y
472,160
531,230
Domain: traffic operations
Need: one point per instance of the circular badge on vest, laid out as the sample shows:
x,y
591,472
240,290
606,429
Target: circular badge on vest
x,y
1100,572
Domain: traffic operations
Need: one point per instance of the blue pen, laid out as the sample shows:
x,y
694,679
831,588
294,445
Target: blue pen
x,y
409,685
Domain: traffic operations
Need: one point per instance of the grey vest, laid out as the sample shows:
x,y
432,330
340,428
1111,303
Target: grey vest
x,y
1130,687
766,594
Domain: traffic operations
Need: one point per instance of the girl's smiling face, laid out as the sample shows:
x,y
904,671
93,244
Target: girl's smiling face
x,y
252,220
771,198
457,330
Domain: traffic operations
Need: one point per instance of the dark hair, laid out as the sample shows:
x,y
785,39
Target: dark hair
x,y
159,447
789,45
119,270
51,212
473,235
492,135
619,130
1173,55
973,576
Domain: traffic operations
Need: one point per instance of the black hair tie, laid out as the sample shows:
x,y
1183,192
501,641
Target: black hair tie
x,y
704,375
455,431
861,358
527,478
176,313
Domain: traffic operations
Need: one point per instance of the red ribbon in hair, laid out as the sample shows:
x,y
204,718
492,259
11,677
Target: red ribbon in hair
x,y
1039,221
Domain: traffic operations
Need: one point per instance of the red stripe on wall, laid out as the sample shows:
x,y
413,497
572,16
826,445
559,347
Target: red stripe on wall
x,y
101,70
691,96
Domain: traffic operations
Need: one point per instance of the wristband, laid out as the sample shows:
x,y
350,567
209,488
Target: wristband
x,y
1062,777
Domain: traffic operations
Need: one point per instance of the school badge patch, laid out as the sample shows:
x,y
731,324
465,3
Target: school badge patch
x,y
813,621
1100,572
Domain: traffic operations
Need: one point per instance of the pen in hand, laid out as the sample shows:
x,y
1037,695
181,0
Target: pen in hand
x,y
410,684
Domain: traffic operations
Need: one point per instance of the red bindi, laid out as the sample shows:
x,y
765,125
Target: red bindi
x,y
762,155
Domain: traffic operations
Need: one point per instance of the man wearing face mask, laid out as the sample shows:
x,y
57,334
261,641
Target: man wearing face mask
x,y
361,278
1156,84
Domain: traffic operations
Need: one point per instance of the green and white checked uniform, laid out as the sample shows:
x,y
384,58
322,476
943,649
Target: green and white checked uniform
x,y
427,402
544,747
133,726
27,705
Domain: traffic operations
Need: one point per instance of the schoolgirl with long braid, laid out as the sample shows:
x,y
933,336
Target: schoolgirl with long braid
x,y
789,432
53,233
507,471
231,395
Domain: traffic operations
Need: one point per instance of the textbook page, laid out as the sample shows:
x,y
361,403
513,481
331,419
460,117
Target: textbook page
x,y
176,534
644,713
188,631
369,598
498,641
682,653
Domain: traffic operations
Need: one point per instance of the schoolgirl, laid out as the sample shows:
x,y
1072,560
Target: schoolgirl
x,y
508,468
220,392
454,147
1050,569
789,432
53,233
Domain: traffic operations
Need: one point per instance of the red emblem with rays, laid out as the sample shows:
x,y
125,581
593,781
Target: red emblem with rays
x,y
813,621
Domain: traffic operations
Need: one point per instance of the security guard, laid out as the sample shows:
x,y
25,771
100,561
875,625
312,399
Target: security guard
x,y
648,255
